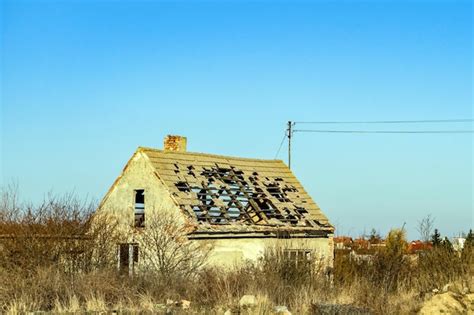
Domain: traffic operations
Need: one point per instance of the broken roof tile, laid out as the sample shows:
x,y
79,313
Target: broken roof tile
x,y
222,191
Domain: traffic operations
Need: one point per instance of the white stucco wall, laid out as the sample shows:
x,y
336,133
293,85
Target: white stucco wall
x,y
120,202
234,252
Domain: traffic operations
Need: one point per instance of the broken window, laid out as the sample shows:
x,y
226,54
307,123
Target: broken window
x,y
139,208
299,256
127,258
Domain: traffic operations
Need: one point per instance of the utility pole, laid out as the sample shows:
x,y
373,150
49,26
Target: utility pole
x,y
290,132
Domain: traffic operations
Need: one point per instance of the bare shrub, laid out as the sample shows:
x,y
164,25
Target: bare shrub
x,y
103,234
47,234
9,204
279,261
284,273
46,249
425,228
60,231
166,250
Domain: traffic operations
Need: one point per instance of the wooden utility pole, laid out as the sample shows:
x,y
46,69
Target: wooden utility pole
x,y
290,124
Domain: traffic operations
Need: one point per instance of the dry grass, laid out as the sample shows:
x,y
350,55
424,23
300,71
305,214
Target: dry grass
x,y
71,305
358,284
48,276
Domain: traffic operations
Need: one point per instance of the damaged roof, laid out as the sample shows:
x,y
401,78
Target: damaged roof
x,y
237,194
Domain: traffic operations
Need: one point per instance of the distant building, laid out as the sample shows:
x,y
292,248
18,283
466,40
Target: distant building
x,y
342,242
458,243
418,246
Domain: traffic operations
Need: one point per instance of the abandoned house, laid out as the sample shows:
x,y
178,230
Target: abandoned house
x,y
241,206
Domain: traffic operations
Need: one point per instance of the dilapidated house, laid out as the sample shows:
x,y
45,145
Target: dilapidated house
x,y
239,205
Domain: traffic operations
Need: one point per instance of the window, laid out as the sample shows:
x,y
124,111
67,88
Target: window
x,y
140,208
135,253
127,257
299,256
123,257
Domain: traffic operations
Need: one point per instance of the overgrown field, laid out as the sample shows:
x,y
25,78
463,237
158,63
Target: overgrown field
x,y
53,258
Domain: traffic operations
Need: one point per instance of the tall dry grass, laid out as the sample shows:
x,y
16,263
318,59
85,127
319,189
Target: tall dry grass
x,y
363,285
76,272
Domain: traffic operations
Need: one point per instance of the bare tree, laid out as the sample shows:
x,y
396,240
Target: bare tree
x,y
9,204
103,234
167,250
425,227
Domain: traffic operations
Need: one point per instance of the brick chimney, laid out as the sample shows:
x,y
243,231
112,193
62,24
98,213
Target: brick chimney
x,y
175,143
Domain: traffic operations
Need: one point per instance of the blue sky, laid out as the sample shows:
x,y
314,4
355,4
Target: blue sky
x,y
84,83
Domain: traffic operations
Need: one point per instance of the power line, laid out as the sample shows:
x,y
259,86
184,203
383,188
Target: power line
x,y
281,145
389,121
290,130
384,131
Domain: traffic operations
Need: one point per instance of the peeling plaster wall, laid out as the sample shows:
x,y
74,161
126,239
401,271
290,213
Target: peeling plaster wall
x,y
120,202
234,252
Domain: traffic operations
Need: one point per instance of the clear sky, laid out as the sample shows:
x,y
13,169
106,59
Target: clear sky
x,y
84,83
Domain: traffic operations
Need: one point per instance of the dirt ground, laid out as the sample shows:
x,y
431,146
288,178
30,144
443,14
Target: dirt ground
x,y
455,298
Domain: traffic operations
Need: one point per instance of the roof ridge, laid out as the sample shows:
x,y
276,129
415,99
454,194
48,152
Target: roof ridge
x,y
140,148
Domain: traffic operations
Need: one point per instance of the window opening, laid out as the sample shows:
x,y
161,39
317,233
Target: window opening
x,y
127,258
139,208
298,256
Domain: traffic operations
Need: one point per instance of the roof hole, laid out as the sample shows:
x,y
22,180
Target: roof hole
x,y
183,186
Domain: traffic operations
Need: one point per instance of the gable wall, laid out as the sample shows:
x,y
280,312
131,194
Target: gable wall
x,y
120,201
